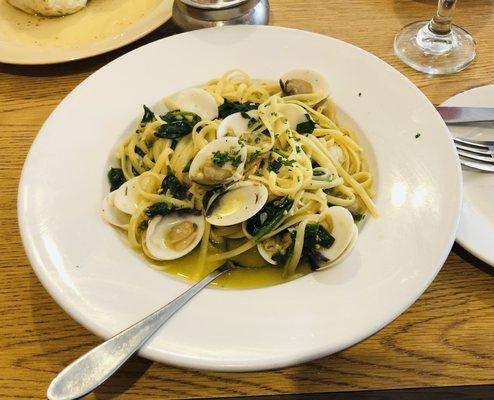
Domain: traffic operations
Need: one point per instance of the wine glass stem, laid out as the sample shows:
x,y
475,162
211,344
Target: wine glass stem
x,y
441,22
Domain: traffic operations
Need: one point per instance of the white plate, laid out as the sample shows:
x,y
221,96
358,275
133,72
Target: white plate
x,y
476,230
106,286
104,25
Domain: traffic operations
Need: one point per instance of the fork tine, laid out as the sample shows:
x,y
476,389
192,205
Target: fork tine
x,y
475,150
473,156
477,143
478,165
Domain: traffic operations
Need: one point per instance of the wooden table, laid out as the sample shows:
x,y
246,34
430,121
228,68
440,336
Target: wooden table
x,y
445,339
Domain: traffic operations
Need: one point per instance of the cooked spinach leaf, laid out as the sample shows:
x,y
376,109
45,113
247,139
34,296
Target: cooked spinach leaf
x,y
187,166
316,259
268,217
279,258
148,116
160,209
306,127
232,107
316,236
116,178
178,124
139,151
172,183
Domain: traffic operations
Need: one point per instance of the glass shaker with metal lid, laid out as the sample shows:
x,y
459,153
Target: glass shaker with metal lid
x,y
196,14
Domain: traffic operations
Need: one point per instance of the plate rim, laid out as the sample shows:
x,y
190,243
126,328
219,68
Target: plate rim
x,y
197,363
460,238
115,44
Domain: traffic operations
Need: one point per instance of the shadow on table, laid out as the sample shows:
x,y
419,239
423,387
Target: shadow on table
x,y
471,259
123,379
92,63
62,340
409,11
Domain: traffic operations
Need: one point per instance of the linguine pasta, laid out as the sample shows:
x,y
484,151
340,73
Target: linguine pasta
x,y
315,173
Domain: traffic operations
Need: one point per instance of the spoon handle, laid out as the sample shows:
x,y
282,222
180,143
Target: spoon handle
x,y
93,368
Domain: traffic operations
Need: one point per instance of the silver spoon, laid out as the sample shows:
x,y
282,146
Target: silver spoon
x,y
93,368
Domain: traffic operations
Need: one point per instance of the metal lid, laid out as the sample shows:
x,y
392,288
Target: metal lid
x,y
213,4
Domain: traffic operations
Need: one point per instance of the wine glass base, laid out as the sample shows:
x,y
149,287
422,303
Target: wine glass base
x,y
420,48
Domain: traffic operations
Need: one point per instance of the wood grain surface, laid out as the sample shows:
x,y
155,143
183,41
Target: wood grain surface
x,y
446,338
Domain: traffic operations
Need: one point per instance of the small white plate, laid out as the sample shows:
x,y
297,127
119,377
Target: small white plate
x,y
91,271
476,231
102,26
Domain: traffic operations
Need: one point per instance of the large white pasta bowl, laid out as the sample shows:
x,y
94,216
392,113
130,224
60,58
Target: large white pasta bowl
x,y
94,275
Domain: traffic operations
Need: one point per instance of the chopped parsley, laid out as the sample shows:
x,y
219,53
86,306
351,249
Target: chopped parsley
x,y
220,158
252,122
276,164
253,156
358,217
241,142
282,257
257,139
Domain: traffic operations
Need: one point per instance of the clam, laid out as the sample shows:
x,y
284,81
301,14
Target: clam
x,y
126,197
112,214
219,162
236,204
238,123
294,114
303,81
172,236
198,101
345,233
336,153
276,245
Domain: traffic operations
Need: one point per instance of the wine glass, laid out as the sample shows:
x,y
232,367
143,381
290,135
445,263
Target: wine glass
x,y
436,46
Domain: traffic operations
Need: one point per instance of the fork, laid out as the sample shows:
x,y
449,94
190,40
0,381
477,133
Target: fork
x,y
477,154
